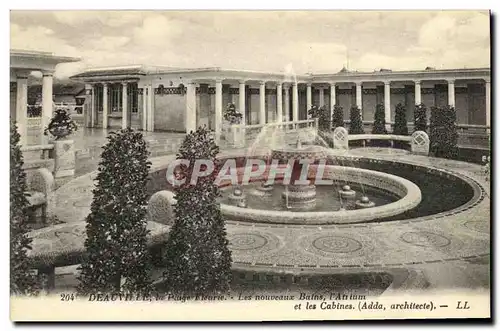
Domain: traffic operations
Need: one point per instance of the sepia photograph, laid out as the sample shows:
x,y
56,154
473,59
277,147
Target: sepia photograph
x,y
266,165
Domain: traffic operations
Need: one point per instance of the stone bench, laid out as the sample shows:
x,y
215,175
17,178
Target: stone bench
x,y
37,206
40,185
419,140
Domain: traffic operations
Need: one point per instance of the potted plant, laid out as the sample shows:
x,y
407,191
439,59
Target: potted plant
x,y
232,117
61,125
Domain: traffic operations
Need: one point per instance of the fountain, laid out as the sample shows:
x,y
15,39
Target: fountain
x,y
237,196
298,195
364,202
347,193
265,189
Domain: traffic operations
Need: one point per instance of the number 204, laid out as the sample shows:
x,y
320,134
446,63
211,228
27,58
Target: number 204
x,y
67,297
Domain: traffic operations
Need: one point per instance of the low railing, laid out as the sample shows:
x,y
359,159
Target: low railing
x,y
241,135
291,124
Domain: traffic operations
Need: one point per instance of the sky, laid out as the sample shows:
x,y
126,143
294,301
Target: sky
x,y
297,41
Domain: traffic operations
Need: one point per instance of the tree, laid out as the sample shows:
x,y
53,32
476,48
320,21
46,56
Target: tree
x,y
420,115
400,125
323,116
116,257
22,281
338,116
379,126
379,120
443,132
356,126
198,260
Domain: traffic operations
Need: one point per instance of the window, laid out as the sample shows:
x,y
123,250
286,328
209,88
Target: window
x,y
98,90
132,97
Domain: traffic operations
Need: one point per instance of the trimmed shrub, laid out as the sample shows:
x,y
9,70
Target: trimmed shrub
x,y
443,132
356,125
379,120
338,116
400,125
117,258
197,257
323,116
22,280
420,118
379,126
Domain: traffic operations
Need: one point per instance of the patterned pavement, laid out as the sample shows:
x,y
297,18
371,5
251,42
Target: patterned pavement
x,y
452,250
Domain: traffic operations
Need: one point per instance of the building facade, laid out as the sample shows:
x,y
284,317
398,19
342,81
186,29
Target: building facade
x,y
172,99
22,64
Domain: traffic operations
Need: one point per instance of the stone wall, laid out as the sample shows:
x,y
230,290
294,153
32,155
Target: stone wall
x,y
169,112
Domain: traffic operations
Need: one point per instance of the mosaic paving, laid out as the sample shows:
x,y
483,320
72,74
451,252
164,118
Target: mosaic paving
x,y
458,237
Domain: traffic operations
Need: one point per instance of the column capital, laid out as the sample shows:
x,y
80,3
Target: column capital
x,y
125,84
279,84
487,80
387,82
332,84
417,82
20,76
309,84
451,81
262,83
358,83
218,80
48,73
242,81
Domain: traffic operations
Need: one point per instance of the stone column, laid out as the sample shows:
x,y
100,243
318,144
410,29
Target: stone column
x,y
124,106
309,96
321,97
218,107
190,116
241,101
87,108
93,110
295,102
262,107
279,102
451,92
144,108
287,102
151,107
333,98
418,93
359,97
387,104
47,102
22,107
488,104
105,105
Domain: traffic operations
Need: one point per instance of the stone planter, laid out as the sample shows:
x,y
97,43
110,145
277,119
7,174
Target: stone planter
x,y
64,158
234,135
59,132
